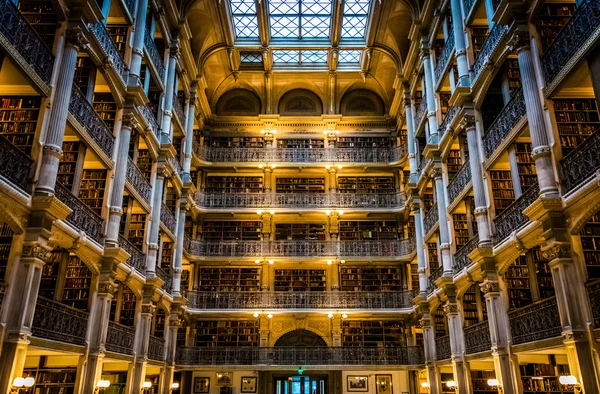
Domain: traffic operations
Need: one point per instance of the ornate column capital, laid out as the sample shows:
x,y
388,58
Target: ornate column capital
x,y
557,250
75,37
489,287
35,251
519,40
107,288
129,121
436,173
175,51
467,122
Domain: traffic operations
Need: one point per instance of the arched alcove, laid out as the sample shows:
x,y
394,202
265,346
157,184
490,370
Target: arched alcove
x,y
300,338
362,102
238,102
300,102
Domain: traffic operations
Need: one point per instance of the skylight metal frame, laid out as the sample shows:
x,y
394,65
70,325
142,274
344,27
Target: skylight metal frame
x,y
300,20
355,18
317,58
244,17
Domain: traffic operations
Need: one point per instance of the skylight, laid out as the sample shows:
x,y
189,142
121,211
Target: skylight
x,y
354,20
245,19
350,56
296,57
300,19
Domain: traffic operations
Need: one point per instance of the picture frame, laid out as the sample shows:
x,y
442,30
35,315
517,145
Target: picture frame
x,y
248,384
357,384
201,385
224,378
384,384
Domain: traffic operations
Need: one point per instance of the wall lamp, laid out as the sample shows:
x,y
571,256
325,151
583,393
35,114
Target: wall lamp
x,y
494,384
174,386
102,384
571,382
146,386
451,384
20,383
425,385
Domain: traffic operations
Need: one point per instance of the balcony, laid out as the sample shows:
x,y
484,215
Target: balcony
x,y
594,295
512,114
492,42
178,110
138,182
304,356
513,218
300,200
168,219
535,322
301,155
461,259
137,259
477,338
583,163
445,56
360,300
156,348
150,120
447,122
61,323
468,7
175,165
442,348
430,220
435,274
420,112
24,45
111,53
82,217
459,182
154,57
392,249
15,165
166,278
120,338
572,43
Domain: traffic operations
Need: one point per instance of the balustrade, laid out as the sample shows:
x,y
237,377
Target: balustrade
x,y
120,338
594,295
175,165
58,322
15,165
178,109
582,163
138,181
461,259
508,118
22,37
294,356
137,259
442,348
168,218
513,218
156,348
489,46
154,56
534,322
448,119
130,5
430,219
110,50
166,278
468,6
421,111
477,338
459,182
150,119
445,56
435,274
89,121
82,217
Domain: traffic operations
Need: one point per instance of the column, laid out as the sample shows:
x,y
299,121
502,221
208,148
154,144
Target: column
x,y
142,337
267,171
52,151
177,260
168,101
440,192
410,131
159,185
264,276
490,11
336,330
541,152
189,135
171,347
429,92
266,225
137,52
459,44
332,179
422,265
457,345
269,136
128,124
481,215
433,376
335,275
263,331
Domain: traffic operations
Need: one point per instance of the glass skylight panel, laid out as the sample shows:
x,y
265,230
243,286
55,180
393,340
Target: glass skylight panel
x,y
350,56
245,19
251,57
297,19
297,57
313,57
286,57
354,21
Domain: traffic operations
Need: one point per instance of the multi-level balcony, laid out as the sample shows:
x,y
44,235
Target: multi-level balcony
x,y
512,218
15,165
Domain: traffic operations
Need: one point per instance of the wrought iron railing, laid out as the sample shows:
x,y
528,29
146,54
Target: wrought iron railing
x,y
461,260
154,56
390,248
17,31
175,165
58,322
435,274
580,28
582,163
82,217
490,44
210,300
156,348
513,218
445,56
468,6
89,120
168,219
130,5
166,278
442,348
477,338
15,165
421,111
448,119
534,322
150,120
506,120
110,50
295,356
423,163
138,181
594,295
430,220
459,182
120,338
178,109
137,259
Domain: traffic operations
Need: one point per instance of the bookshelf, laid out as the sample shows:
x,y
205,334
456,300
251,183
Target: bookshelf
x,y
300,280
300,185
42,17
371,279
525,165
590,242
144,163
125,216
444,103
228,279
479,382
231,231
543,378
18,120
128,303
502,189
71,161
478,36
160,319
227,333
52,380
552,18
418,98
236,142
366,185
166,258
576,121
518,283
83,73
78,279
300,231
364,142
470,308
106,108
118,33
513,74
439,319
461,229
427,199
171,198
410,226
414,277
91,189
300,143
543,274
453,163
185,279
6,237
432,256
438,46
136,229
373,333
494,101
234,184
50,273
369,230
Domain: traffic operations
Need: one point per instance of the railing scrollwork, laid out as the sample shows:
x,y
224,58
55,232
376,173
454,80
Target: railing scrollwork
x,y
445,56
15,165
534,322
120,338
110,49
513,218
59,322
461,259
477,338
138,181
430,219
82,217
508,118
459,182
582,163
153,54
490,44
89,120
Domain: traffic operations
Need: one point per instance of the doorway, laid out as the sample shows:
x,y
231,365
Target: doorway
x,y
301,385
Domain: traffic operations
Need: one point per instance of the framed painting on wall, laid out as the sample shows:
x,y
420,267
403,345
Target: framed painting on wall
x,y
384,384
201,385
224,378
248,384
357,384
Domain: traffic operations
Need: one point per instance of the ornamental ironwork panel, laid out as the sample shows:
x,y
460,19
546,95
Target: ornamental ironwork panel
x,y
120,338
442,348
300,248
430,219
138,181
82,217
534,322
137,259
594,295
461,260
113,56
581,27
168,219
130,5
154,56
150,120
175,165
445,55
507,119
468,6
421,111
477,338
166,278
459,182
58,322
156,348
15,165
267,356
89,120
233,200
435,274
582,163
513,218
448,119
489,46
178,109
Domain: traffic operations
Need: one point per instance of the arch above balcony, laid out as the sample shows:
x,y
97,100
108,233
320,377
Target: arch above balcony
x,y
238,102
300,102
362,102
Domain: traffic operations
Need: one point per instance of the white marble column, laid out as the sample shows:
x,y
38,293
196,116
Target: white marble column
x,y
457,346
174,54
159,185
171,347
440,192
433,375
189,135
177,260
142,338
137,53
429,93
422,264
410,131
459,44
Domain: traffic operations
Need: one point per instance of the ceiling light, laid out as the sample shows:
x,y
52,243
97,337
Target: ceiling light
x,y
330,315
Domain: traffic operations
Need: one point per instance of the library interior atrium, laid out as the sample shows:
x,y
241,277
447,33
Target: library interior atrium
x,y
299,196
